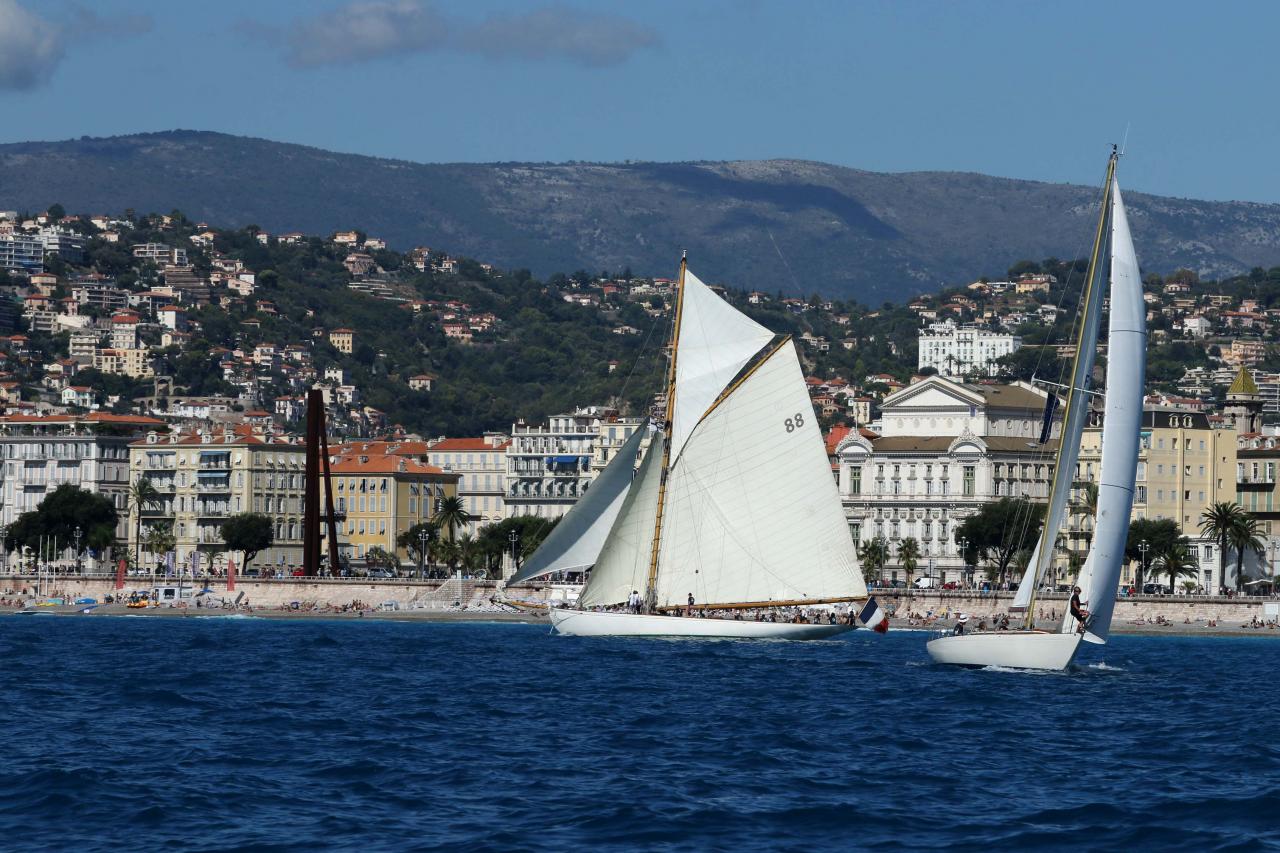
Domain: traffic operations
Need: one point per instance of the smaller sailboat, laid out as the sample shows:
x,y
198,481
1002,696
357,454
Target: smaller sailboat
x,y
1122,416
733,517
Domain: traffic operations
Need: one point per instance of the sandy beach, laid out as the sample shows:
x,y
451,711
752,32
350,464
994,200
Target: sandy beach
x,y
533,617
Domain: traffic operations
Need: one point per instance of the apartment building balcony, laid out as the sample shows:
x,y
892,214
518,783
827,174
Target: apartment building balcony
x,y
1255,482
215,487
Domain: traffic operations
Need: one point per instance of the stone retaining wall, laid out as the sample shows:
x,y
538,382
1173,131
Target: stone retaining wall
x,y
1174,608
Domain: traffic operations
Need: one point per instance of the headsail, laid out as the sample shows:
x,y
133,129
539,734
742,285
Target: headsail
x,y
576,541
753,513
1076,408
623,564
1121,426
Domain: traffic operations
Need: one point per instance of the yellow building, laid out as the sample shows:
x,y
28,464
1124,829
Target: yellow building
x,y
206,476
379,494
1184,466
343,340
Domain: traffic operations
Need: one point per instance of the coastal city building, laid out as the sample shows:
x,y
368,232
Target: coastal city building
x,y
205,476
958,351
379,493
481,465
549,467
944,449
42,452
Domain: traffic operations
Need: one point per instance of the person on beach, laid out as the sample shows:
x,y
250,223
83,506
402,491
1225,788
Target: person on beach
x,y
1078,610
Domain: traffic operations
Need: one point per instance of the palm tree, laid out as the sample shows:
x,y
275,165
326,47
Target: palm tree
x,y
1085,504
1175,561
451,513
143,495
908,556
1245,536
1216,523
872,555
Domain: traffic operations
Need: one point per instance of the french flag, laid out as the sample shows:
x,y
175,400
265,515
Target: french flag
x,y
874,617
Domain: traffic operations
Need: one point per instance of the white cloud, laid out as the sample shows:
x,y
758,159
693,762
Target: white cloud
x,y
30,47
367,30
561,32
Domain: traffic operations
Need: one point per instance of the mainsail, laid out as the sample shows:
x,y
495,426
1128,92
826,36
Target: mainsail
x,y
576,541
746,511
1077,409
1121,426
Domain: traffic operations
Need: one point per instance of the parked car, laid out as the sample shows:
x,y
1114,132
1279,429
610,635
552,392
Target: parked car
x,y
926,583
951,585
380,572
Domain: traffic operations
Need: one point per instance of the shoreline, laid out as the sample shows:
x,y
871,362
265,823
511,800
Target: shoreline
x,y
529,617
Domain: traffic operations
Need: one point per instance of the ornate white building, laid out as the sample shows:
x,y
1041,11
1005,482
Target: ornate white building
x,y
945,448
963,350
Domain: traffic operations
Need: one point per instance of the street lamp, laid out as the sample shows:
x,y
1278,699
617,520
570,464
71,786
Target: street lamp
x,y
423,536
1143,548
77,535
514,539
964,565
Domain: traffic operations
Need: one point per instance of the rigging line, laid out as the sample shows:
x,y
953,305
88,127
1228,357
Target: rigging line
x,y
795,282
635,364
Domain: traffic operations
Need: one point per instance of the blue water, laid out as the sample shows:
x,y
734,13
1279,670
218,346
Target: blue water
x,y
221,734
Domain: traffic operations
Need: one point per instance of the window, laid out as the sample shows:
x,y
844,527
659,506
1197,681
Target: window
x,y
1140,496
969,477
1142,471
855,480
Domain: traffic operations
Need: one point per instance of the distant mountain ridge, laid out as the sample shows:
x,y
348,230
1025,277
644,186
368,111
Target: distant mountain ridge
x,y
776,225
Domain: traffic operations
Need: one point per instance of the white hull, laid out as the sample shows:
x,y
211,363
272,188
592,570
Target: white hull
x,y
589,623
1013,649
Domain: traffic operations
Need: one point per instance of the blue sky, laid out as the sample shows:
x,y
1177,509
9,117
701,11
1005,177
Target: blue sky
x,y
1020,89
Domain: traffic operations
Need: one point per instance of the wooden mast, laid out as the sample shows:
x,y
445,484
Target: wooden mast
x,y
651,585
1047,536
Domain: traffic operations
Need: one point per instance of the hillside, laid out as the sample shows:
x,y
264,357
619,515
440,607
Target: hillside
x,y
793,226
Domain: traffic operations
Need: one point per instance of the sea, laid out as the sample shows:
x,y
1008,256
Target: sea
x,y
240,733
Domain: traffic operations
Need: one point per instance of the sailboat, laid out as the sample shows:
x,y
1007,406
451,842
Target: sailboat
x,y
734,509
1122,417
575,543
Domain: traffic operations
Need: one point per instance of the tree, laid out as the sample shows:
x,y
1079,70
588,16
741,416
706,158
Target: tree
x,y
160,538
381,558
1000,529
411,540
451,513
142,496
1159,534
1175,561
65,510
908,557
1216,523
1245,536
872,555
248,532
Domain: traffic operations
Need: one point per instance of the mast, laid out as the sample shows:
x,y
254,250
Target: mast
x,y
1073,415
651,585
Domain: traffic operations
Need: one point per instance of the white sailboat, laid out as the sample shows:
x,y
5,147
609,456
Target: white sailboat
x,y
1122,418
734,506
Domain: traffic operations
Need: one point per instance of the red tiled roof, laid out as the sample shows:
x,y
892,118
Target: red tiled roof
x,y
456,444
382,464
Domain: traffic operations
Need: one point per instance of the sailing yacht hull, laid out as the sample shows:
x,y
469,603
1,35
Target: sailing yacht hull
x,y
1012,649
590,623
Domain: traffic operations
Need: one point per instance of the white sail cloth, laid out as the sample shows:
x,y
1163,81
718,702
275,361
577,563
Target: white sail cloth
x,y
623,564
716,342
1072,428
576,541
752,512
1121,427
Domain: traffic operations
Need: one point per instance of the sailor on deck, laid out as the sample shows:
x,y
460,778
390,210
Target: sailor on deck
x,y
1078,610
